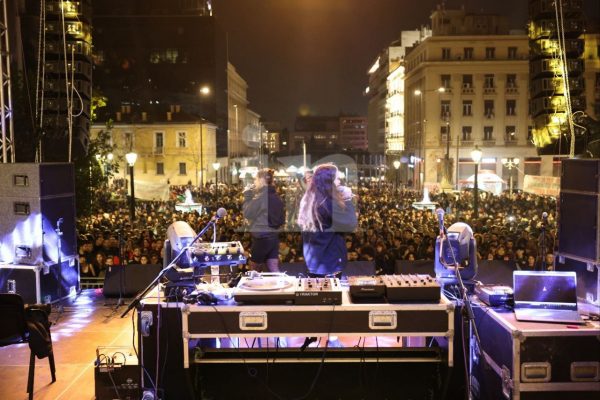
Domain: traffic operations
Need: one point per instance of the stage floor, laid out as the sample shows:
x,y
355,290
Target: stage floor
x,y
84,323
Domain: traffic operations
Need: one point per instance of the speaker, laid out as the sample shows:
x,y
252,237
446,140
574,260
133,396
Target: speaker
x,y
128,280
580,175
579,214
38,222
588,282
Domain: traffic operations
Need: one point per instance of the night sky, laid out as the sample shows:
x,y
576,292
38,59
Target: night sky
x,y
313,55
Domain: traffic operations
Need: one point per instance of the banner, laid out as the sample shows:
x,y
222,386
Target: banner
x,y
145,190
542,185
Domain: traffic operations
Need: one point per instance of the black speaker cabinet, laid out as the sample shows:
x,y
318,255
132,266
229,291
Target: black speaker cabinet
x,y
36,201
129,280
580,175
579,214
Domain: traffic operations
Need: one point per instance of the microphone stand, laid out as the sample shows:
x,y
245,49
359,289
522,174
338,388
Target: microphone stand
x,y
136,301
542,243
468,316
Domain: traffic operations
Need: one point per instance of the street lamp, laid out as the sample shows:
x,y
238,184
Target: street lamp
x,y
131,159
422,133
216,166
205,90
510,163
476,157
396,167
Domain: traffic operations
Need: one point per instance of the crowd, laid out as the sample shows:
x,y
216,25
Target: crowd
x,y
390,229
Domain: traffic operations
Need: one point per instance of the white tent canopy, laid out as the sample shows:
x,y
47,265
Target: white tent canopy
x,y
486,180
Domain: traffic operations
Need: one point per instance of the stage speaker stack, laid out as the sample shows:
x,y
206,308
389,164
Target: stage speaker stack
x,y
579,227
38,246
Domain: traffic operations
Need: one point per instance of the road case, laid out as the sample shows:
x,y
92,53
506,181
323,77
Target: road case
x,y
41,284
532,360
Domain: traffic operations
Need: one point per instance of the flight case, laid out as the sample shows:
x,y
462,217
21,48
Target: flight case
x,y
533,360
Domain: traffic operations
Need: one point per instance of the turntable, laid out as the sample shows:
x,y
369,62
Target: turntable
x,y
266,288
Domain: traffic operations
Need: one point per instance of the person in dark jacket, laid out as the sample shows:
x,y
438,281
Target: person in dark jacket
x,y
326,214
265,212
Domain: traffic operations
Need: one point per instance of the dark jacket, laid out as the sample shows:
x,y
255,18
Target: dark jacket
x,y
265,211
325,252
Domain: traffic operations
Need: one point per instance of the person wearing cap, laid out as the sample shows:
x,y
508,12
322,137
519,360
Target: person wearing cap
x,y
265,212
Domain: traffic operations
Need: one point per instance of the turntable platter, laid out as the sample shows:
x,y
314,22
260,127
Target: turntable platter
x,y
265,284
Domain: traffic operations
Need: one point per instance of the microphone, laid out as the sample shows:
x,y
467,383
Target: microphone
x,y
221,212
545,216
440,214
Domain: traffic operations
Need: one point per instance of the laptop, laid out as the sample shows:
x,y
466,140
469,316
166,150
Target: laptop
x,y
546,296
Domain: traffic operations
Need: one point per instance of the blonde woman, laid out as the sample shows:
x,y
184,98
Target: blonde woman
x,y
265,212
326,214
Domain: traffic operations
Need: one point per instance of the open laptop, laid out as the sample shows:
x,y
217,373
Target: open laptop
x,y
546,296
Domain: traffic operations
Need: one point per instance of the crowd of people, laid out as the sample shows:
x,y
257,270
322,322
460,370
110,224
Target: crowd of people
x,y
508,227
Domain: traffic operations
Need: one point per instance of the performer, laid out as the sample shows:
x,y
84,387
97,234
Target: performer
x,y
326,213
265,211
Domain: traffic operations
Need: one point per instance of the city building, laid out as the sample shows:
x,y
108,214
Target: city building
x,y
385,94
173,148
241,129
151,54
557,87
318,132
466,86
272,136
353,133
62,107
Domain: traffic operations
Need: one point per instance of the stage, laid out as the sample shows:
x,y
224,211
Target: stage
x,y
80,325
86,322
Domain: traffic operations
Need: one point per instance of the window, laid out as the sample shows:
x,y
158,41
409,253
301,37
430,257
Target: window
x,y
444,132
467,108
466,133
445,108
488,133
512,53
490,53
488,107
182,168
445,53
467,81
160,168
128,138
181,139
529,133
511,81
468,53
445,81
511,133
171,56
159,140
511,107
488,81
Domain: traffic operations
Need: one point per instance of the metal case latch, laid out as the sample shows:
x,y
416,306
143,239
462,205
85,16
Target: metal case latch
x,y
253,321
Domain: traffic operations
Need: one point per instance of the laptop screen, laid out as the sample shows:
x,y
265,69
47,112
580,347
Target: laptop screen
x,y
537,288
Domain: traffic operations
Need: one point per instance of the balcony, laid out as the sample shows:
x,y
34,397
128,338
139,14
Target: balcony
x,y
489,142
512,90
467,89
489,90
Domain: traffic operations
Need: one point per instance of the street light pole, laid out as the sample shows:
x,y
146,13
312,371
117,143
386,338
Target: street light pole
x,y
396,167
131,159
510,163
476,156
216,166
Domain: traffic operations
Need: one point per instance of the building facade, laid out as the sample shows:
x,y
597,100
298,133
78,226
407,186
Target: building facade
x,y
173,148
241,121
152,54
466,86
353,133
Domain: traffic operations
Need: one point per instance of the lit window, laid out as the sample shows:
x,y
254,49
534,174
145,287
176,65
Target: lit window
x,y
181,139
